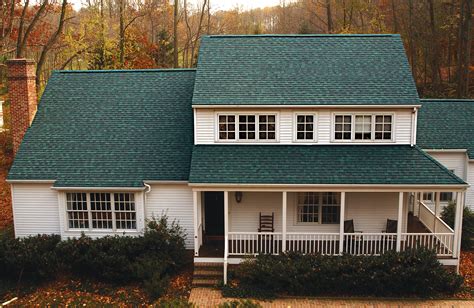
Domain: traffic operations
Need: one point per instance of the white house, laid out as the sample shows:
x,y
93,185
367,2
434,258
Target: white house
x,y
274,143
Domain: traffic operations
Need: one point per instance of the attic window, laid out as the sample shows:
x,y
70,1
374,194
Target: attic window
x,y
247,127
101,211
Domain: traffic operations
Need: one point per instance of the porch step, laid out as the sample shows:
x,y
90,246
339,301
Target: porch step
x,y
207,274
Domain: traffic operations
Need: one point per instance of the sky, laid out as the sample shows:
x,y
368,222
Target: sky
x,y
221,4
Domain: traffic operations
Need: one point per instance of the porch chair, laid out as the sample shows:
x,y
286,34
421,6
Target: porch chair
x,y
391,226
264,241
266,223
352,244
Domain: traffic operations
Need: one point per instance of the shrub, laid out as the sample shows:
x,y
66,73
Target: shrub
x,y
240,304
467,239
30,258
409,273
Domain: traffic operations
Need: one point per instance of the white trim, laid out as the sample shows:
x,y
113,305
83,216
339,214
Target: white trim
x,y
338,187
295,127
341,222
164,182
445,150
414,123
353,115
399,221
94,189
194,125
314,106
237,140
284,222
449,262
195,223
30,181
226,233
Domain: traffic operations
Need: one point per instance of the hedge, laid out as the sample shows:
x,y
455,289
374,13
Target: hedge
x,y
150,258
467,238
409,273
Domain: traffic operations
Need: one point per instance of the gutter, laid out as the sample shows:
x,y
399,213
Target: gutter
x,y
91,188
243,106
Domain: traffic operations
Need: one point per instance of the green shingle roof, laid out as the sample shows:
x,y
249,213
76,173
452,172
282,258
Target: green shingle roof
x,y
110,129
446,124
317,164
303,70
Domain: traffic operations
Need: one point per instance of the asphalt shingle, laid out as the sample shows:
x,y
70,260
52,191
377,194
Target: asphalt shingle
x,y
317,164
303,70
110,129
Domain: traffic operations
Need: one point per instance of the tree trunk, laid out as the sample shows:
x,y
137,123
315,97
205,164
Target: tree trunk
x,y
175,34
121,33
329,16
19,51
52,40
394,17
411,42
435,73
464,48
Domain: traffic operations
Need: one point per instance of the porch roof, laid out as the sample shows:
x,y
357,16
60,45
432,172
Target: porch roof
x,y
317,164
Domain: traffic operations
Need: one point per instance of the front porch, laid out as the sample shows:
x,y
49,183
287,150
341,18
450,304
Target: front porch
x,y
366,222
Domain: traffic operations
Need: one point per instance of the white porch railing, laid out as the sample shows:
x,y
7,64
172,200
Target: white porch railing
x,y
253,243
441,243
314,243
369,243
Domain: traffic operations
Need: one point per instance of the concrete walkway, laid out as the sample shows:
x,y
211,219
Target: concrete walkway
x,y
205,297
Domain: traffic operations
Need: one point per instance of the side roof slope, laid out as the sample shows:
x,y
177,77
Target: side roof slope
x,y
446,124
110,129
303,70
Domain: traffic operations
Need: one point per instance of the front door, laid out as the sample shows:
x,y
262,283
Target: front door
x,y
214,215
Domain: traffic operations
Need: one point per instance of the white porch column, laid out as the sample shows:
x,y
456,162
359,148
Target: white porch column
x,y
341,222
399,220
226,233
196,223
458,225
436,210
283,221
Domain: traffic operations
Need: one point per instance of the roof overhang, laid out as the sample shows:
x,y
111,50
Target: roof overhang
x,y
445,150
30,181
318,106
121,189
327,187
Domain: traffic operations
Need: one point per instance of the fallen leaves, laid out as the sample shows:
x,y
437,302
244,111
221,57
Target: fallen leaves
x,y
466,268
6,215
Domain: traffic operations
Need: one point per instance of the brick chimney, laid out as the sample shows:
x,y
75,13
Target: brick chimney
x,y
23,97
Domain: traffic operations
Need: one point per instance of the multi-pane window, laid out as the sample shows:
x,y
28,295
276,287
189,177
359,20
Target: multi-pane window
x,y
446,197
318,207
227,127
383,127
246,127
343,127
77,211
305,127
363,127
266,127
99,211
125,214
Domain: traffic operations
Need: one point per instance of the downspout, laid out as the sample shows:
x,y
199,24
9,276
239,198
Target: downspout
x,y
414,119
147,190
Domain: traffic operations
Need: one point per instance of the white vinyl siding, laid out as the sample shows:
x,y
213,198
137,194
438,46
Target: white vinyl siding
x,y
453,161
286,134
470,190
35,209
176,201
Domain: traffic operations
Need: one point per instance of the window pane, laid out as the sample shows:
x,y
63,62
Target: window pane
x,y
363,127
383,127
101,211
76,209
246,127
125,213
308,207
226,127
343,127
304,127
266,127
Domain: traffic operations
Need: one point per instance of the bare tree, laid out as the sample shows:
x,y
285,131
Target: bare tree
x,y
175,34
329,16
464,48
435,69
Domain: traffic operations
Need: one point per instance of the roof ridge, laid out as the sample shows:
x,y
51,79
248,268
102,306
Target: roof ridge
x,y
302,35
151,70
442,167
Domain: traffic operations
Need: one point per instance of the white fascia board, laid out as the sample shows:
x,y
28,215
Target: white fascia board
x,y
30,181
243,106
165,182
445,150
121,189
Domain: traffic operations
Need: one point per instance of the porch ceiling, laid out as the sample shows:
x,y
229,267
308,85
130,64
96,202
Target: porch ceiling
x,y
317,165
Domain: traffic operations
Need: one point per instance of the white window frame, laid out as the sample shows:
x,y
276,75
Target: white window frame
x,y
257,131
320,208
372,139
89,211
295,127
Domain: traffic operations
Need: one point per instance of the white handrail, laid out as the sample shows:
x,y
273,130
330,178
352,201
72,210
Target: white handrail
x,y
438,219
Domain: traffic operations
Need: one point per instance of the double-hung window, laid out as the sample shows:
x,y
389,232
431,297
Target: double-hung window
x,y
363,127
305,127
101,211
318,207
247,127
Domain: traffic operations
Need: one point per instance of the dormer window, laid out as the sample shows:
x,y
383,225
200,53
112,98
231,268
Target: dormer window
x,y
247,127
305,127
363,127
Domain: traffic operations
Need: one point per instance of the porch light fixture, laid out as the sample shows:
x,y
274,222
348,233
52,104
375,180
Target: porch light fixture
x,y
238,196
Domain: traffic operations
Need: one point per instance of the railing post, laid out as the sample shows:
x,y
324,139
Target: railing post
x,y
283,222
195,221
341,222
226,233
399,221
458,225
436,209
